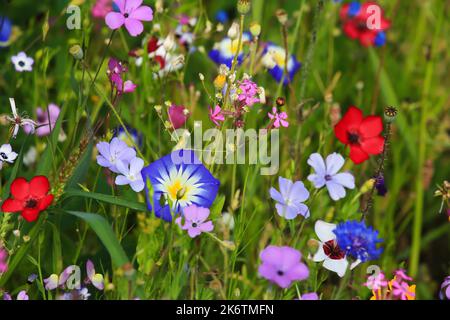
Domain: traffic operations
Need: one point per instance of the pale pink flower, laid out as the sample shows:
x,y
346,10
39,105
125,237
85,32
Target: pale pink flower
x,y
195,220
376,282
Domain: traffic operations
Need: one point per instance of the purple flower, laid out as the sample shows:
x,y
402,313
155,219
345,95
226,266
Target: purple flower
x,y
310,296
22,295
290,198
3,261
445,289
111,153
326,174
195,220
380,185
130,173
115,72
46,120
131,14
282,265
95,278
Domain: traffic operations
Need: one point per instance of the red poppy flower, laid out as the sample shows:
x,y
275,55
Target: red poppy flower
x,y
362,134
29,198
356,18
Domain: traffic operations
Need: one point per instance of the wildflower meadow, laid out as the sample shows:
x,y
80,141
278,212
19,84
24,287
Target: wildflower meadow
x,y
224,150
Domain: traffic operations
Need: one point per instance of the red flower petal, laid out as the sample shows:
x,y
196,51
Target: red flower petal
x,y
371,126
367,38
20,189
351,29
30,214
350,122
343,14
45,202
373,145
357,154
39,186
12,205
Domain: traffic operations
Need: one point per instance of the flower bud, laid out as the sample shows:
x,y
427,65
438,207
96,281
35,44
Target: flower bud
x,y
201,76
255,29
243,6
390,113
76,51
233,32
282,16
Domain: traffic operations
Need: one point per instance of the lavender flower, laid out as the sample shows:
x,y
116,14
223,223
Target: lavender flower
x,y
130,173
195,220
290,198
111,153
282,265
326,174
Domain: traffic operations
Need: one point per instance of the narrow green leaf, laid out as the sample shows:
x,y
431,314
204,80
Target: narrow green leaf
x,y
137,206
106,234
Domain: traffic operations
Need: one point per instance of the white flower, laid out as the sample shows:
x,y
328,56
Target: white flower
x,y
30,157
334,259
131,174
6,154
326,173
22,62
18,121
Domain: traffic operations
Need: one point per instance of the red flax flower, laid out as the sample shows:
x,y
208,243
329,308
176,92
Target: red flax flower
x,y
361,134
365,22
29,198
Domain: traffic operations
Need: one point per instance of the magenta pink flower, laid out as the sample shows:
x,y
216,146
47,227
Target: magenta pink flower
x,y
3,263
282,265
115,72
101,8
131,14
278,118
195,220
177,116
402,290
247,92
401,274
216,115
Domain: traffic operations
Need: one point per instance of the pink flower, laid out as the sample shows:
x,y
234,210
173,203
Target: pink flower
x,y
46,120
115,73
3,261
194,220
402,290
247,92
401,274
376,282
216,115
178,116
279,118
101,8
131,14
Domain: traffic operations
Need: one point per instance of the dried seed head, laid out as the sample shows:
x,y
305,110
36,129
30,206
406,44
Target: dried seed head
x,y
281,101
390,113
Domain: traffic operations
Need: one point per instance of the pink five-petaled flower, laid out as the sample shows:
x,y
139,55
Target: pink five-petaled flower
x,y
195,220
216,115
403,290
131,14
278,118
282,265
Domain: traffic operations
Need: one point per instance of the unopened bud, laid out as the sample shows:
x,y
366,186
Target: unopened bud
x,y
243,6
282,16
390,113
76,51
255,29
233,32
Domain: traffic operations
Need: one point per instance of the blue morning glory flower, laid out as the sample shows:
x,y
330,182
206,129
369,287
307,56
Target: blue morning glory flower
x,y
225,50
179,179
358,240
5,31
274,58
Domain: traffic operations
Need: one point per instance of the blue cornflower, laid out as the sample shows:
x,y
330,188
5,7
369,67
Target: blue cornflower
x,y
358,240
354,8
5,31
222,16
380,185
380,39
